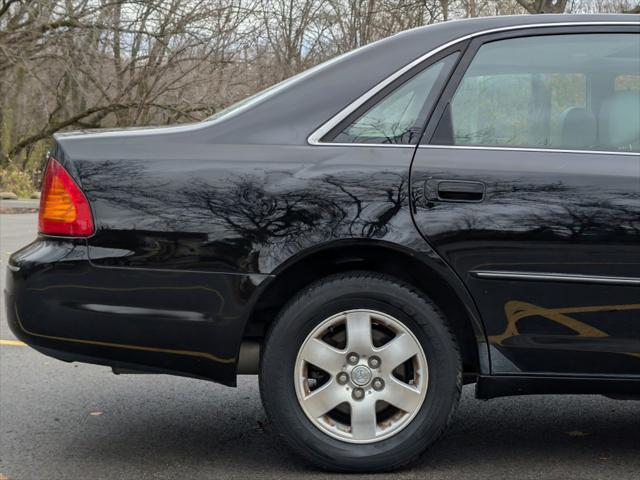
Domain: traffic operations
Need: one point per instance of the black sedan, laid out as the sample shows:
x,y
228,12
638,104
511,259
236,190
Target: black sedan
x,y
457,203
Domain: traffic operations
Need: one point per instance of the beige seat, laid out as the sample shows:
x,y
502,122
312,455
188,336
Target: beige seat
x,y
619,122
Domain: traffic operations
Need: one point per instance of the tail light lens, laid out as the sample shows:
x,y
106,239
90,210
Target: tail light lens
x,y
64,210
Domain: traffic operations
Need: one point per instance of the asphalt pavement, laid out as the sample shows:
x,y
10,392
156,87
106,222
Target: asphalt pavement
x,y
75,421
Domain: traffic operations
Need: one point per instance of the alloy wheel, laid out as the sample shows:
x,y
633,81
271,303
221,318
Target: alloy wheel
x,y
361,376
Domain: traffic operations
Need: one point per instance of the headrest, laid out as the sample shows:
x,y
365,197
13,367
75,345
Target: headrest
x,y
577,128
619,121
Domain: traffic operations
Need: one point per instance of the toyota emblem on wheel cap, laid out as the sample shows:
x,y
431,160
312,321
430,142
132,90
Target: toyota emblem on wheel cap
x,y
361,375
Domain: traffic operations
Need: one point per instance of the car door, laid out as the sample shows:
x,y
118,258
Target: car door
x,y
527,182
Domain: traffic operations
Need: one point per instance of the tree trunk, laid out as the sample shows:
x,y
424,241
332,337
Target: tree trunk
x,y
544,6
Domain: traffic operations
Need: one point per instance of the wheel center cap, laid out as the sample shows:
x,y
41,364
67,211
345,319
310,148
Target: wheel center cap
x,y
361,375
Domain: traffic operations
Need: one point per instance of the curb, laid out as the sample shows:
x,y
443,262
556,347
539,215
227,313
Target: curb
x,y
19,206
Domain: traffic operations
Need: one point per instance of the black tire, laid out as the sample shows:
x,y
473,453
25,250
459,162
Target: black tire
x,y
328,297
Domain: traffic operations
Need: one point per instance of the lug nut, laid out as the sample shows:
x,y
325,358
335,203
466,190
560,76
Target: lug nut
x,y
342,378
358,394
374,362
353,358
378,384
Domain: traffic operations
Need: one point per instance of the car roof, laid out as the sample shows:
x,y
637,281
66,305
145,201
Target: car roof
x,y
481,23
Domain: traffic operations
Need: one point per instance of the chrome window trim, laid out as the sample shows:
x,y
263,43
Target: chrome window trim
x,y
528,149
387,145
314,138
554,277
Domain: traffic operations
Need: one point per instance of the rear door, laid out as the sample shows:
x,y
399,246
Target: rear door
x,y
527,182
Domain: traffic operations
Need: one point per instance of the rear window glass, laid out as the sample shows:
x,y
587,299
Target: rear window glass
x,y
578,91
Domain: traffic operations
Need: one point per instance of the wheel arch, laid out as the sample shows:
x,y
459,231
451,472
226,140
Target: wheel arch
x,y
425,271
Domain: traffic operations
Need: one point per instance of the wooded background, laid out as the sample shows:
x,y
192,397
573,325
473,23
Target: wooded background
x,y
71,64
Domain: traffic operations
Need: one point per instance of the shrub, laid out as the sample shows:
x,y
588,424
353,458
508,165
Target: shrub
x,y
21,182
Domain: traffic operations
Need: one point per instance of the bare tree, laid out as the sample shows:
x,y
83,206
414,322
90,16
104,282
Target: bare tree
x,y
69,64
117,63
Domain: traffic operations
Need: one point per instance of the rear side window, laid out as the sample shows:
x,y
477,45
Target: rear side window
x,y
628,82
559,91
399,117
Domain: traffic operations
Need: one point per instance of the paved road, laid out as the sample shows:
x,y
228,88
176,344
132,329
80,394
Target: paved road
x,y
71,421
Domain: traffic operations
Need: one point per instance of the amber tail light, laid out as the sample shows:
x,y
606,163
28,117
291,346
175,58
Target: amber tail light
x,y
64,210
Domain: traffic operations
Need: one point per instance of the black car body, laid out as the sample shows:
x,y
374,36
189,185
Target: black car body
x,y
204,232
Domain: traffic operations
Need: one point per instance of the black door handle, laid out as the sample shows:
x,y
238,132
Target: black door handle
x,y
460,191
